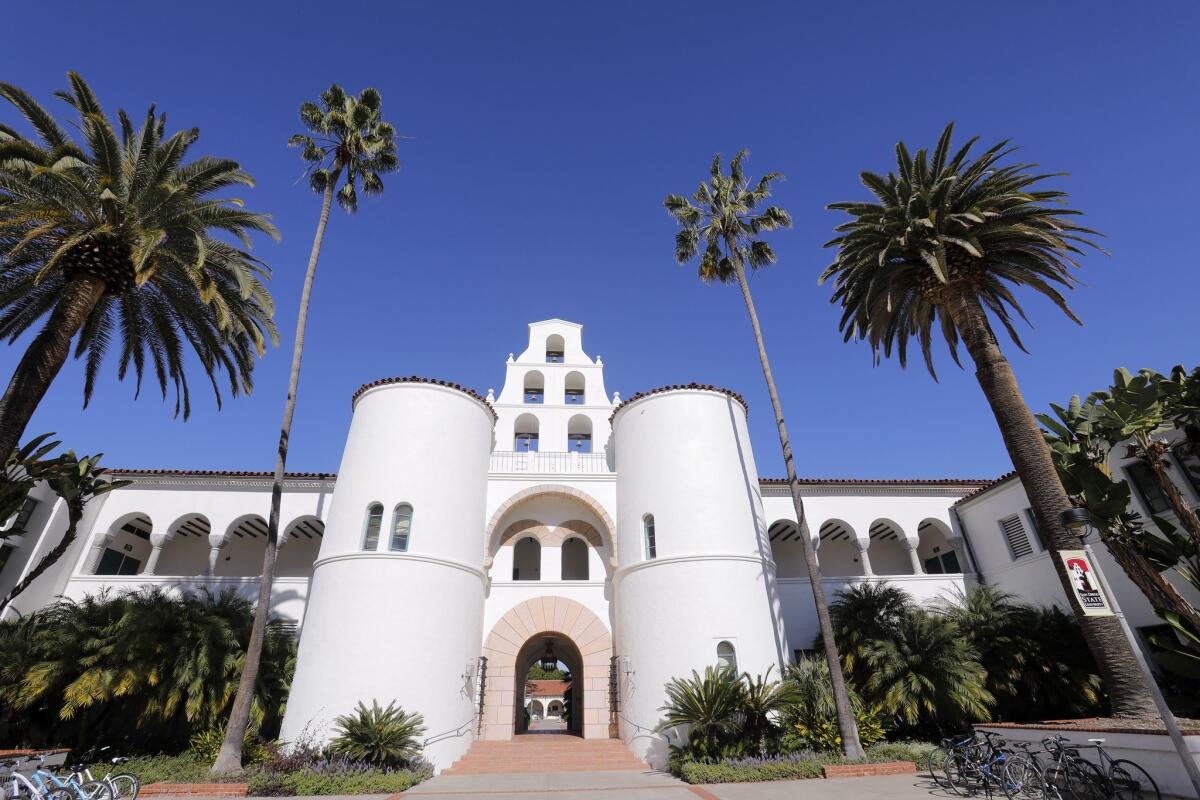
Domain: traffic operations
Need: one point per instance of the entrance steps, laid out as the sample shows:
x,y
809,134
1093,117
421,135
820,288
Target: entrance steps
x,y
546,753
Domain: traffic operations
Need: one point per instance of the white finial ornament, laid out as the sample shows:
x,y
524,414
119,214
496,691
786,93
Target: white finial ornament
x,y
491,395
510,358
616,397
599,361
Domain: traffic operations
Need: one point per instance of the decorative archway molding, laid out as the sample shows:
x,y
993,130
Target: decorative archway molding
x,y
537,618
608,535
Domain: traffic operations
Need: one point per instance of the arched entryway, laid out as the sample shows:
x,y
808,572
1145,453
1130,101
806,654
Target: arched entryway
x,y
559,650
579,638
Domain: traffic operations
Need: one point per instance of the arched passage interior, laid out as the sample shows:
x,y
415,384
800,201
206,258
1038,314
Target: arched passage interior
x,y
519,638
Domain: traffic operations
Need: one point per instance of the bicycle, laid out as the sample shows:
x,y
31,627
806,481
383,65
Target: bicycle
x,y
936,762
1117,778
123,785
981,765
46,784
19,787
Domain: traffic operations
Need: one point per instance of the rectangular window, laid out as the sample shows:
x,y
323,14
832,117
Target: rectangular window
x,y
1016,537
943,564
24,515
651,547
1189,465
114,562
6,550
1033,526
1143,480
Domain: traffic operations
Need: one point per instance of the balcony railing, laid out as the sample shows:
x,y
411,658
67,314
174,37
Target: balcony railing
x,y
550,463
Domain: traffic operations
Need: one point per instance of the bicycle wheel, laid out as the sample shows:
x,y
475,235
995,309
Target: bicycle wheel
x,y
1021,778
963,775
1076,779
94,790
124,785
1131,782
936,764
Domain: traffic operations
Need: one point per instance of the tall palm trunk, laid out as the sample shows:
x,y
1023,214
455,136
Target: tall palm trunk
x,y
1127,691
45,357
1153,454
229,759
847,726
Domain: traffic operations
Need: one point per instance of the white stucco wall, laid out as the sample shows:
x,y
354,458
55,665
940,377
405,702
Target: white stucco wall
x,y
401,626
685,457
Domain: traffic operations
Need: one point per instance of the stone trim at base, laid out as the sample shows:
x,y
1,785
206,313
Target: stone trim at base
x,y
864,770
194,790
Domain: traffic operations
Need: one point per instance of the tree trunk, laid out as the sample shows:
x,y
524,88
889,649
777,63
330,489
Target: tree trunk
x,y
1128,694
1153,454
45,357
229,759
1157,589
46,562
847,725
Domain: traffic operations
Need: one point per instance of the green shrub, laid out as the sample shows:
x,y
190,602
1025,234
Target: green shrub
x,y
810,722
207,744
186,767
782,769
797,765
308,782
916,752
386,737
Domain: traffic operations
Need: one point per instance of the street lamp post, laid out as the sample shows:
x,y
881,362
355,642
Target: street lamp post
x,y
1078,521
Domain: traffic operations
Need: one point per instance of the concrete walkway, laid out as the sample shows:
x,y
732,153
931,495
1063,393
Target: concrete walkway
x,y
651,785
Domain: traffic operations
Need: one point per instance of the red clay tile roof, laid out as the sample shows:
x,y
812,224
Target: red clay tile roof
x,y
987,486
226,473
547,688
676,387
417,379
965,482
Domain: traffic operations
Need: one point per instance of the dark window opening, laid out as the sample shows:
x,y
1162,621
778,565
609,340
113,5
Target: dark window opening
x,y
943,564
114,562
1147,487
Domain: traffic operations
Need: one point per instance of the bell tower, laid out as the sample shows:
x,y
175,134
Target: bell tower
x,y
553,400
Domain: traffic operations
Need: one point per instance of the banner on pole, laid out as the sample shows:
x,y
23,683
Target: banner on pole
x,y
1085,584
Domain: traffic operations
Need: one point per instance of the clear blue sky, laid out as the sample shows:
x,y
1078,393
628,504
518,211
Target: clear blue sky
x,y
545,136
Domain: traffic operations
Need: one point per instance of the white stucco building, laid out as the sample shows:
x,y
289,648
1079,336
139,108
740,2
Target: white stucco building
x,y
463,534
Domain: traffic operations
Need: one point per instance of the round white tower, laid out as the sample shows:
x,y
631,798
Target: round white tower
x,y
395,609
695,585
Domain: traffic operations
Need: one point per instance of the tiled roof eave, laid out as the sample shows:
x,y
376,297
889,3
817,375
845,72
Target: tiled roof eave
x,y
706,387
474,395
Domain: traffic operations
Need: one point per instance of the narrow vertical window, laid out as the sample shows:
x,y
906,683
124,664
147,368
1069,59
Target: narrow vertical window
x,y
401,526
372,525
648,528
727,656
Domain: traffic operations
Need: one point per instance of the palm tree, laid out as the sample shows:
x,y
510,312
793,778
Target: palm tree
x,y
145,668
727,219
117,241
350,143
947,241
925,673
863,613
710,706
763,700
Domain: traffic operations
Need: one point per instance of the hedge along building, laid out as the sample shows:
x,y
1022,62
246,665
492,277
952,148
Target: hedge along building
x,y
463,536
